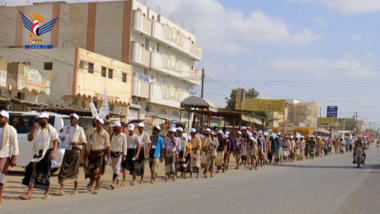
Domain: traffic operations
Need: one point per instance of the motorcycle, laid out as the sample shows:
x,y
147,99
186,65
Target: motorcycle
x,y
359,157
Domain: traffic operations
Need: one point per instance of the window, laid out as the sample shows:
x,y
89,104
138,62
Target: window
x,y
90,68
48,66
158,47
124,77
20,96
175,114
75,101
104,72
112,107
162,111
110,73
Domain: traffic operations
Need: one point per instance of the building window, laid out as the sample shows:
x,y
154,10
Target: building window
x,y
112,107
110,73
48,66
20,96
175,114
104,72
75,101
90,68
158,47
162,111
124,77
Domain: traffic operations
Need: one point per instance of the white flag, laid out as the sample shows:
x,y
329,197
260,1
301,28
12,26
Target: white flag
x,y
94,112
104,110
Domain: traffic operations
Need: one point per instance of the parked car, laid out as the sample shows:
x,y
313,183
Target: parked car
x,y
23,123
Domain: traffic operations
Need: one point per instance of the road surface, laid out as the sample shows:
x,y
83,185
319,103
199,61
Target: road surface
x,y
324,185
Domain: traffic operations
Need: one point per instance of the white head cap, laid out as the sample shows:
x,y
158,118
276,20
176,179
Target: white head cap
x,y
100,120
239,132
131,127
158,127
260,131
4,114
180,129
173,130
43,115
227,132
265,134
116,124
291,136
208,130
243,128
75,116
141,125
192,130
220,132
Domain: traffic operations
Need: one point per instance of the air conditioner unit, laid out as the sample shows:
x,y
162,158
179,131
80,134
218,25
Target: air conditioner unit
x,y
149,108
83,64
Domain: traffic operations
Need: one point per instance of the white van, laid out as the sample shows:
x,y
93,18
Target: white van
x,y
23,123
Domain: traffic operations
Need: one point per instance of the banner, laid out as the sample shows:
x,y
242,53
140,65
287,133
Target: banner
x,y
329,120
33,79
104,110
94,112
250,104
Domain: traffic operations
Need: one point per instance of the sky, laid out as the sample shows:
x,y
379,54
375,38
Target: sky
x,y
311,50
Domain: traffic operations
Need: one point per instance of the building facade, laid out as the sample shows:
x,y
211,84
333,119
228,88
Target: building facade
x,y
300,114
161,52
74,78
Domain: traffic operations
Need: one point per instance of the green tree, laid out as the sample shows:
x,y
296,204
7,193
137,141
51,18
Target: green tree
x,y
231,101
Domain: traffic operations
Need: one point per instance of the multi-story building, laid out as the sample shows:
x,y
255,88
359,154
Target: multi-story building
x,y
301,114
162,53
74,77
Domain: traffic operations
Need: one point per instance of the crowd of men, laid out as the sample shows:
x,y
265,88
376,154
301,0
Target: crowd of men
x,y
184,155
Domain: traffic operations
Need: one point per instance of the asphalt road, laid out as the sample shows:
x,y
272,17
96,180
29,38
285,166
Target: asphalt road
x,y
324,185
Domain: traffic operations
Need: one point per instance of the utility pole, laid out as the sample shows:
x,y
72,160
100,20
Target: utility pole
x,y
355,122
203,82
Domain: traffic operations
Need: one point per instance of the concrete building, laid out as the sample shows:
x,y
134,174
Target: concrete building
x,y
301,114
77,77
162,53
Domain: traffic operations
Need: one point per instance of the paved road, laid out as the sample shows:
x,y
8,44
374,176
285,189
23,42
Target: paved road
x,y
324,185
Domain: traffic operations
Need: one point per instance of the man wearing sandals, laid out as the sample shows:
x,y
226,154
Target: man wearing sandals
x,y
96,151
118,152
8,148
45,143
133,153
70,164
209,146
171,143
156,151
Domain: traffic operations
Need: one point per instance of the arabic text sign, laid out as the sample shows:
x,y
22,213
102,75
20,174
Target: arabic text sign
x,y
34,79
329,120
261,105
332,111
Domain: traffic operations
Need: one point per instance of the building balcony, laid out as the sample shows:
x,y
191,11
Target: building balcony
x,y
176,40
141,24
141,84
168,95
139,55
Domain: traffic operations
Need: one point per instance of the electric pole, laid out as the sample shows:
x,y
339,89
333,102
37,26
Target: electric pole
x,y
203,82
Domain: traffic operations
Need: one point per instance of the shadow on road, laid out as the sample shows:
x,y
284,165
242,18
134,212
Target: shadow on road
x,y
365,167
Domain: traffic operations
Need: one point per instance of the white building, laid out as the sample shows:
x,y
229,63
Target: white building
x,y
162,53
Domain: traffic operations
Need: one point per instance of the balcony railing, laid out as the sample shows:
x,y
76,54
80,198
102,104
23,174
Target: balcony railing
x,y
140,55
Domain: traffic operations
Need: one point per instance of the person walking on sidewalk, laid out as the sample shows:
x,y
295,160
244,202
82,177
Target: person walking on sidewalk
x,y
8,148
156,151
45,143
118,152
74,142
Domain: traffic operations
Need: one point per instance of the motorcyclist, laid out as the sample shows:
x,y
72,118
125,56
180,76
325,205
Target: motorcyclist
x,y
359,144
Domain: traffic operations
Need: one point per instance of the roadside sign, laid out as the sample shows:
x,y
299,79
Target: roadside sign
x,y
288,128
329,120
332,111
